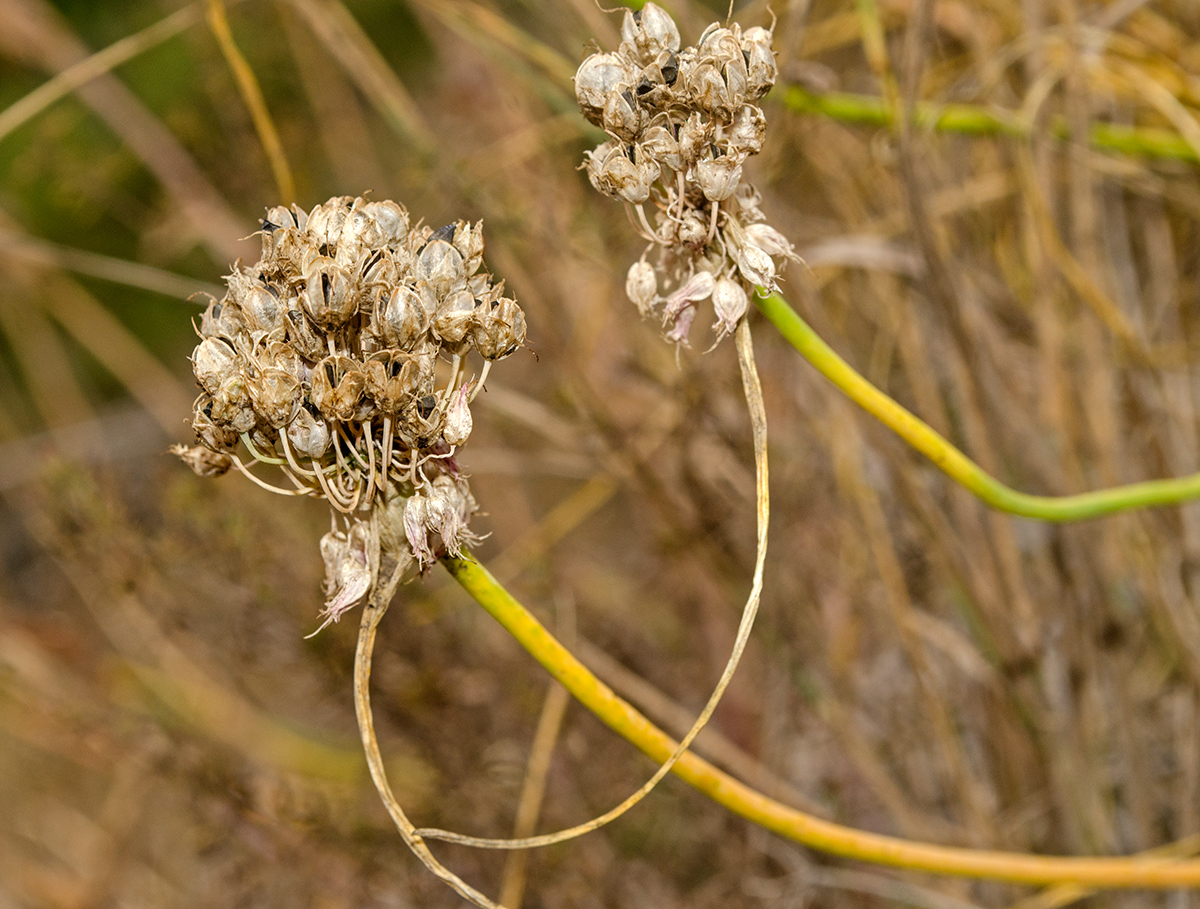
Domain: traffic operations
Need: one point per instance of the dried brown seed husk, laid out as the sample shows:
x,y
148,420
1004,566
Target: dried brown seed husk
x,y
232,407
213,361
500,330
328,297
597,77
400,317
440,265
276,395
387,382
203,461
455,319
337,387
208,433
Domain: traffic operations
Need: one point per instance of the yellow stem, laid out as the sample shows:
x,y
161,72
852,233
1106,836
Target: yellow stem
x,y
1146,871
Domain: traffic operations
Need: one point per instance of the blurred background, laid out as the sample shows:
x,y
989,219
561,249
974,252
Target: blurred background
x,y
921,666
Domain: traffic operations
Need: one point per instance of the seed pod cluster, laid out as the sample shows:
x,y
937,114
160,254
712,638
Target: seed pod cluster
x,y
681,123
323,359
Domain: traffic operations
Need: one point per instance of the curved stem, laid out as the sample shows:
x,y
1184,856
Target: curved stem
x,y
1124,872
949,459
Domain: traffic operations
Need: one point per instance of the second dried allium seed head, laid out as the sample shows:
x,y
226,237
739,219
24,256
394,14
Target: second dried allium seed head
x,y
341,357
682,121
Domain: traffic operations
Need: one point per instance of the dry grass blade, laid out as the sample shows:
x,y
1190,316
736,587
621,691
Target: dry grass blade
x,y
251,92
758,419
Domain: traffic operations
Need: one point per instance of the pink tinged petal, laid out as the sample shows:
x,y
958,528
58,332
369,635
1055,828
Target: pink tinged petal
x,y
682,324
415,517
697,288
730,303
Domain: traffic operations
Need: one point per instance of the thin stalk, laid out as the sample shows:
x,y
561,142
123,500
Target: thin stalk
x,y
949,459
1145,871
974,120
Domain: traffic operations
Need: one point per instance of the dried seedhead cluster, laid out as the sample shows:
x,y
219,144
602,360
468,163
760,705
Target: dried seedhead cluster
x,y
681,124
340,357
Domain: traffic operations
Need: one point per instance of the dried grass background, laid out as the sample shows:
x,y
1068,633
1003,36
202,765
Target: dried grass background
x,y
921,666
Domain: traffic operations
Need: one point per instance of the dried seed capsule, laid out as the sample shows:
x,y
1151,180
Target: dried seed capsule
x,y
500,330
649,31
695,137
641,286
622,117
613,172
745,134
755,265
730,303
455,318
416,516
208,433
770,241
400,317
379,270
328,296
325,222
468,240
387,382
202,461
698,287
214,361
301,335
391,218
308,434
262,307
760,61
706,86
599,76
276,395
337,387
231,406
658,143
718,176
440,265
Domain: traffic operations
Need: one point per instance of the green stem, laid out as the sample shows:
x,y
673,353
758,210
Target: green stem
x,y
972,120
1132,871
949,459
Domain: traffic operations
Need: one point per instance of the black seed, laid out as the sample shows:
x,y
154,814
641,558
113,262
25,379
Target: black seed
x,y
269,227
746,56
444,233
637,16
478,302
627,96
631,154
644,87
325,286
207,408
425,407
331,375
716,151
273,291
670,70
323,249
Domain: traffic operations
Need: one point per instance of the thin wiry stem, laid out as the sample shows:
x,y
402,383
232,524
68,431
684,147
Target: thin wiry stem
x,y
758,419
372,614
972,120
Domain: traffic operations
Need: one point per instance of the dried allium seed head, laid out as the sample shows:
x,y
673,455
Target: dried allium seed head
x,y
387,383
231,405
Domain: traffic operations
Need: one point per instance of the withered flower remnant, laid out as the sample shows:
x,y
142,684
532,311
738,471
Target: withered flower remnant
x,y
682,123
322,360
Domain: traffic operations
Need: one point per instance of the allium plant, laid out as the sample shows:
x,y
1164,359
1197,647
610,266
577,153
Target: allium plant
x,y
322,360
681,124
